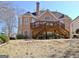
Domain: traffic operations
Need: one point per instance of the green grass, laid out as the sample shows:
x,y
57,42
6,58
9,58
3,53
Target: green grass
x,y
4,38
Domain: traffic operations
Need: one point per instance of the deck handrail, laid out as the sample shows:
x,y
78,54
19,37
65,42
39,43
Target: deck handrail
x,y
38,23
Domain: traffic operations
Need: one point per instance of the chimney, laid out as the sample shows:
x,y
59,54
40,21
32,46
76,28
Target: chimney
x,y
37,8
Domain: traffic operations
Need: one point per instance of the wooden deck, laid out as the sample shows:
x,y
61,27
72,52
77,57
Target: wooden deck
x,y
40,27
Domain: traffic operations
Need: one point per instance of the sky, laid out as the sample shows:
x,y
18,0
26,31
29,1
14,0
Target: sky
x,y
70,8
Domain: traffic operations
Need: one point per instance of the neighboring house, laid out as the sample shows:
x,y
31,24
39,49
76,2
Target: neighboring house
x,y
75,28
41,15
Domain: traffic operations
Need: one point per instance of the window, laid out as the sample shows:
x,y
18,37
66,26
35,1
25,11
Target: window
x,y
32,20
47,18
26,20
77,31
75,36
62,21
72,32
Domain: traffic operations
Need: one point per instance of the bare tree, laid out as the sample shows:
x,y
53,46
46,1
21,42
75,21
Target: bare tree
x,y
9,15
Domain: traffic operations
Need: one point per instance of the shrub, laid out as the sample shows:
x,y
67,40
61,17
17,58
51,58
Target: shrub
x,y
21,36
4,38
1,40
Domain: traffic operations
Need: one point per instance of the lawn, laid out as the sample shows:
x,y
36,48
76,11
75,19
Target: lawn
x,y
41,48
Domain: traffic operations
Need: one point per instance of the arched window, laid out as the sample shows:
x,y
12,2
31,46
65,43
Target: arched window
x,y
77,31
74,36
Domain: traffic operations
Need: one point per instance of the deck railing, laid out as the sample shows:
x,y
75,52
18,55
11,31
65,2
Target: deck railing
x,y
47,23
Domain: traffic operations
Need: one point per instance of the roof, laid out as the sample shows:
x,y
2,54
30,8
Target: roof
x,y
57,14
76,18
29,13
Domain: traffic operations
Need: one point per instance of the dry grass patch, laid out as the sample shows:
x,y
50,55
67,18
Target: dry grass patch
x,y
39,48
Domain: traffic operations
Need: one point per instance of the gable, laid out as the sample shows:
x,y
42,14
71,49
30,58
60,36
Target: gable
x,y
47,15
75,24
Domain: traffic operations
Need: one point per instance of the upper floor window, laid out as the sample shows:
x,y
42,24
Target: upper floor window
x,y
26,20
32,20
47,18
